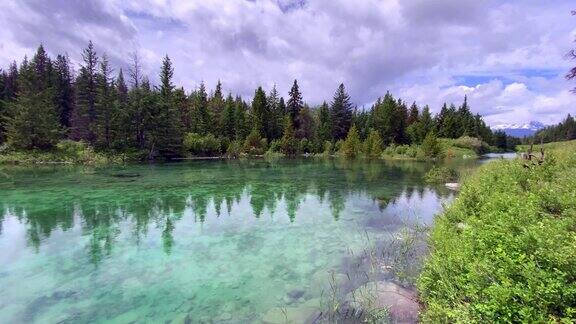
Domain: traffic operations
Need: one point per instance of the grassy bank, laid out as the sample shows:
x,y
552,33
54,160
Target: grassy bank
x,y
66,152
505,250
461,148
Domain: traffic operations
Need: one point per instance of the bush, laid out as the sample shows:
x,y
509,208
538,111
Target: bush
x,y
373,144
255,144
504,250
352,145
234,149
478,146
441,175
199,145
430,146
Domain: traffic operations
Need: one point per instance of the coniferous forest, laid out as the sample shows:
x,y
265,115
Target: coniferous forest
x,y
44,104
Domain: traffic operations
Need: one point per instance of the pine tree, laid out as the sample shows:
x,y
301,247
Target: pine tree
x,y
121,117
276,114
294,104
341,113
260,113
200,114
229,118
306,124
34,121
240,118
324,123
373,144
352,145
413,116
167,132
216,106
84,116
64,91
289,143
104,104
384,117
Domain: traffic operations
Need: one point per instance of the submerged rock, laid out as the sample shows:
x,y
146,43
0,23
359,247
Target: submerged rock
x,y
453,186
306,312
401,303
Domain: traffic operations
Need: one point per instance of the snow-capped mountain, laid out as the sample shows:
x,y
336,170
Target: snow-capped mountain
x,y
520,130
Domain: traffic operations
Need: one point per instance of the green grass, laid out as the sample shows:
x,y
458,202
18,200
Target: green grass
x,y
505,250
460,148
66,152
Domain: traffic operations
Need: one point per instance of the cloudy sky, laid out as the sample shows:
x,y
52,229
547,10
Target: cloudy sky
x,y
507,56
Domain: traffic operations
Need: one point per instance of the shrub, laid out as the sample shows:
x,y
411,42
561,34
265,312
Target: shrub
x,y
441,175
473,143
255,144
234,149
199,145
373,144
504,250
352,145
430,146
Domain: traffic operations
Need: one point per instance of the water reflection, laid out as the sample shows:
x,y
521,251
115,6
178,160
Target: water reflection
x,y
105,202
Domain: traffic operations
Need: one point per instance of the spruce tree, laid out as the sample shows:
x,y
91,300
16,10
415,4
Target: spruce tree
x,y
167,132
276,114
229,118
33,123
259,113
216,107
413,116
200,114
240,118
306,124
104,104
64,91
341,113
84,115
294,104
324,123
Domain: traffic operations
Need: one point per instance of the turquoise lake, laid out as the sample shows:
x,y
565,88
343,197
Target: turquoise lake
x,y
198,241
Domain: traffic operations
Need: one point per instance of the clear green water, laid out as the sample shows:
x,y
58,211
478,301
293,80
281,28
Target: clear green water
x,y
221,241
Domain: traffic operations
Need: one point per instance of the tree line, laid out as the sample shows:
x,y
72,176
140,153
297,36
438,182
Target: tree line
x,y
43,102
563,131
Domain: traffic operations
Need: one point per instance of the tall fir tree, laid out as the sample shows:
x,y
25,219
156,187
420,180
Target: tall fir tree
x,y
84,115
216,106
341,113
200,114
33,123
104,104
294,104
228,121
260,113
324,123
167,132
64,91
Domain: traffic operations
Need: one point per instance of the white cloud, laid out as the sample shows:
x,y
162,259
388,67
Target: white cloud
x,y
417,48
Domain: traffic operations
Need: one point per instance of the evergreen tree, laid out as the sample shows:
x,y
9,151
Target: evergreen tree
x,y
216,106
373,144
324,123
341,113
200,114
384,117
294,104
121,116
260,113
276,114
229,118
413,116
430,146
289,143
306,124
64,91
167,132
33,123
240,119
84,116
104,104
352,145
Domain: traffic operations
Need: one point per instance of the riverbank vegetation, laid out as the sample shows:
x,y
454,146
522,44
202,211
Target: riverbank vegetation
x,y
504,250
43,103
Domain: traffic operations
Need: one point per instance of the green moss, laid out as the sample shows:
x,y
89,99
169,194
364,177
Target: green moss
x,y
505,250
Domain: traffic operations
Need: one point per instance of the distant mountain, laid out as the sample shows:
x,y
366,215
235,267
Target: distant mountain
x,y
520,130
